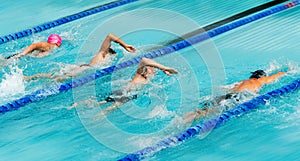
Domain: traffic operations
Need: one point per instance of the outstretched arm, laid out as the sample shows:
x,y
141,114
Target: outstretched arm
x,y
197,114
151,63
272,78
107,43
89,102
28,78
111,108
42,46
27,50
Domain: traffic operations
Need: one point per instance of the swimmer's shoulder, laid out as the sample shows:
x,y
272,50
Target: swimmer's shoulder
x,y
43,45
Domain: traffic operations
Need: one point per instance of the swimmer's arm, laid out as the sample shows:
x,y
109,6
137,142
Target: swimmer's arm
x,y
198,113
272,78
116,39
111,108
28,78
151,63
194,115
27,50
32,47
107,43
87,102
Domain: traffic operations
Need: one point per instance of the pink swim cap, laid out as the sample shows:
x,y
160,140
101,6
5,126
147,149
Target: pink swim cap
x,y
54,39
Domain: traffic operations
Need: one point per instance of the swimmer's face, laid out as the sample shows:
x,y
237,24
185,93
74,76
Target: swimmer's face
x,y
56,44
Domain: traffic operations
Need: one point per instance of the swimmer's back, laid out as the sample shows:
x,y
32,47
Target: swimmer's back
x,y
251,84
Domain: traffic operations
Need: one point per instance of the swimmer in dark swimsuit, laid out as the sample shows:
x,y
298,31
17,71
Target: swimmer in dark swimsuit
x,y
146,69
253,84
119,96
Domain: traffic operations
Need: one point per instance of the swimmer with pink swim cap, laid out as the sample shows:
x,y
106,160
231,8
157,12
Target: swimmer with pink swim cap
x,y
55,39
105,50
41,49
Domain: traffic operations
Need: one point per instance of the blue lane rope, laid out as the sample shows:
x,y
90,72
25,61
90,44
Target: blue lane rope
x,y
64,20
213,123
44,93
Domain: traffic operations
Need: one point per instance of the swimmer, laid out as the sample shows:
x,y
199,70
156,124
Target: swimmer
x,y
253,84
256,81
40,49
145,71
105,49
98,59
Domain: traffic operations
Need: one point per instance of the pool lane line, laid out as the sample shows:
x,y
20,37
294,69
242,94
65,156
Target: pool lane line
x,y
64,20
56,89
228,20
213,123
218,121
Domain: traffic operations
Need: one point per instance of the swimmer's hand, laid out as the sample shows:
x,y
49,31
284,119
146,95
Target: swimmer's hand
x,y
281,73
99,116
170,71
73,106
3,61
129,48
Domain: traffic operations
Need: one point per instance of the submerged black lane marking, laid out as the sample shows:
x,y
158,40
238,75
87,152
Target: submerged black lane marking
x,y
227,20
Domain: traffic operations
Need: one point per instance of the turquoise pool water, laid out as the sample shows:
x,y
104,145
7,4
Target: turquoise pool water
x,y
47,130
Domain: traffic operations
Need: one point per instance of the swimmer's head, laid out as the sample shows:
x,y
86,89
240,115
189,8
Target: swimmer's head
x,y
148,71
151,71
258,74
55,39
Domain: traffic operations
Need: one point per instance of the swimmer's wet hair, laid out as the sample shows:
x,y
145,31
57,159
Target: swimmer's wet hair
x,y
111,51
258,74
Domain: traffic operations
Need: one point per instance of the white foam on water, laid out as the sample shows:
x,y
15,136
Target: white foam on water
x,y
12,82
293,68
273,67
161,111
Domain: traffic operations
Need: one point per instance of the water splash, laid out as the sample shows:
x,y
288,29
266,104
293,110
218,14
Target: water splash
x,y
161,111
273,66
293,68
12,83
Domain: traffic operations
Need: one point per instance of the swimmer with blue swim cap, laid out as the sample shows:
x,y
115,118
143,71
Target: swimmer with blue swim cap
x,y
41,49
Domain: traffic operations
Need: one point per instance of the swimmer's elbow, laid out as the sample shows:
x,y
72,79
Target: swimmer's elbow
x,y
144,61
34,46
111,36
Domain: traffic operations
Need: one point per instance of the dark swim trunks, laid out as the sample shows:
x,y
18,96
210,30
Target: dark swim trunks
x,y
118,96
217,101
227,97
8,57
122,99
